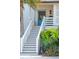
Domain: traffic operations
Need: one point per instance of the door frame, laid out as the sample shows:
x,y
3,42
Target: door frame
x,y
38,15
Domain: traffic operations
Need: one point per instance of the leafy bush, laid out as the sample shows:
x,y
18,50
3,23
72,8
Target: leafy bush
x,y
49,39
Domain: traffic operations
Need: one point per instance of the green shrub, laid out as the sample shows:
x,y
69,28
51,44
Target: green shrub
x,y
49,39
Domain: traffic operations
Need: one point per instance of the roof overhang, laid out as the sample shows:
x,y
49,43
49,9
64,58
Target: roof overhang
x,y
49,1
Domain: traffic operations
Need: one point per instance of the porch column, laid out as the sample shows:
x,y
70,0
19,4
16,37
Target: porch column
x,y
36,17
56,14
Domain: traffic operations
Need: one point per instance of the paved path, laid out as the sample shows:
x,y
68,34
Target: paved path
x,y
37,57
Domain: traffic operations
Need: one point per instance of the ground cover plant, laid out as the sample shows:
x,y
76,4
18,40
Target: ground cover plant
x,y
49,41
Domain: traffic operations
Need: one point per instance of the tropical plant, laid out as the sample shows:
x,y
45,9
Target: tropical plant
x,y
49,39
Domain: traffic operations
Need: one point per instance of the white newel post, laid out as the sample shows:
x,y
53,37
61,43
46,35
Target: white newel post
x,y
56,14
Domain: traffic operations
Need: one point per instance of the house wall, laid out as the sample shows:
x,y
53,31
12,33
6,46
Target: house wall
x,y
28,14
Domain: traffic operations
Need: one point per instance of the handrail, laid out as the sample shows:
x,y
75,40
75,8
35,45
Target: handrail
x,y
25,34
38,36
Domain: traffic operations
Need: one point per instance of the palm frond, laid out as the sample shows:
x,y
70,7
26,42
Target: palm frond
x,y
32,2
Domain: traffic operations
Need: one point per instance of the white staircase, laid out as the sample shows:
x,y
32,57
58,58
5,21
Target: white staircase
x,y
48,22
31,43
29,46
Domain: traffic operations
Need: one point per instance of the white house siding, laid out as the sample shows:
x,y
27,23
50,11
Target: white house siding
x,y
56,14
28,15
32,14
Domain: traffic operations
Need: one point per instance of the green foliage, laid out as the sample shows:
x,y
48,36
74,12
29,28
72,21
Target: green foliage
x,y
50,41
32,2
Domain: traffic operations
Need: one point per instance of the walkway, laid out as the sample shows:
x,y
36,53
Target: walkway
x,y
38,57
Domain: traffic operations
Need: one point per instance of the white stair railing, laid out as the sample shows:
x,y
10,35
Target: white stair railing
x,y
38,36
26,34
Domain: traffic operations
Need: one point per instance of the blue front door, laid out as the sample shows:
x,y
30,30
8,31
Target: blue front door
x,y
40,16
39,22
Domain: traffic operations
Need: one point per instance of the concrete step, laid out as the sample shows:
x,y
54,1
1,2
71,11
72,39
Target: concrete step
x,y
29,49
31,40
32,53
29,44
49,23
48,20
29,52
